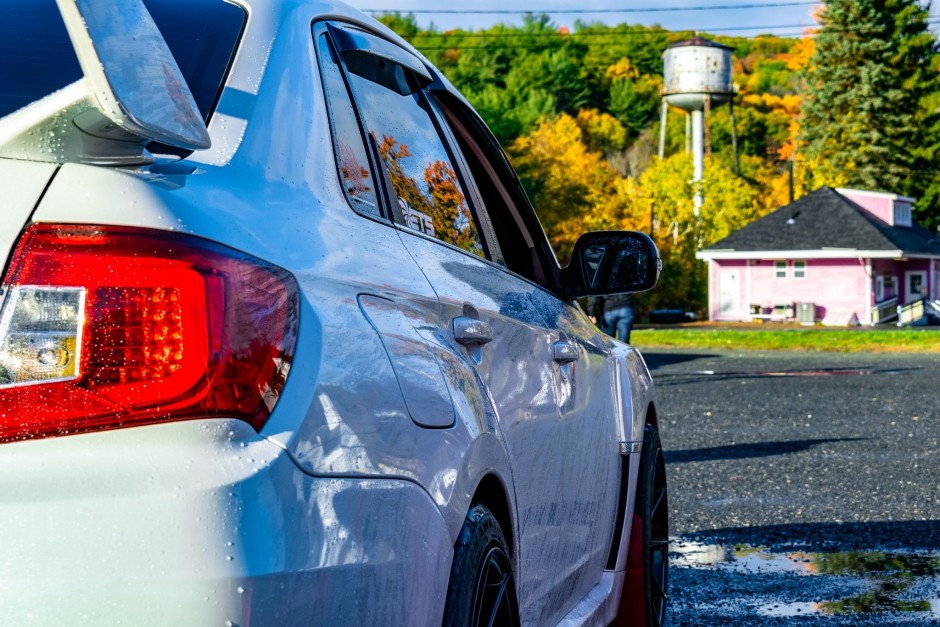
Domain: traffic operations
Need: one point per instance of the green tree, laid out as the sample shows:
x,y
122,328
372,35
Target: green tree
x,y
863,117
404,25
635,102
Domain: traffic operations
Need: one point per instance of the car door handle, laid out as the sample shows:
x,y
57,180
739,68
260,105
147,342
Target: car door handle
x,y
469,331
565,351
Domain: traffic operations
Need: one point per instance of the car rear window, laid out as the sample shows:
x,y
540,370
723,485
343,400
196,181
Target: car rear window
x,y
36,56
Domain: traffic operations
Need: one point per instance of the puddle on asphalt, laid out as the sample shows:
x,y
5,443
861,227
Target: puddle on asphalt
x,y
882,582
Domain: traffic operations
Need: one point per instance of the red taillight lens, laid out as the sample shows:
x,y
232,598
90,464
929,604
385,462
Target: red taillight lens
x,y
106,327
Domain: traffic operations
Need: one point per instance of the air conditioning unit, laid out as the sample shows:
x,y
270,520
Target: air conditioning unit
x,y
806,313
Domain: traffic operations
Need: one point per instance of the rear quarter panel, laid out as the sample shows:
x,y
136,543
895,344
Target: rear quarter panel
x,y
22,184
269,187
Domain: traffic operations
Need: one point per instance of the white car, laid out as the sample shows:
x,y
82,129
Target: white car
x,y
283,343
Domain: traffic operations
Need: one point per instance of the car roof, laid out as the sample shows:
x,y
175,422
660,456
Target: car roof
x,y
271,23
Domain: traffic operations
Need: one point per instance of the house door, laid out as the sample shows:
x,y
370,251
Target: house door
x,y
728,295
915,286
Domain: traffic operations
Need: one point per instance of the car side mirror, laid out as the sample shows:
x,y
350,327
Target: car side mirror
x,y
611,262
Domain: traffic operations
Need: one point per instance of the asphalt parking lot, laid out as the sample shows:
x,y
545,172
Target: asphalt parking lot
x,y
804,487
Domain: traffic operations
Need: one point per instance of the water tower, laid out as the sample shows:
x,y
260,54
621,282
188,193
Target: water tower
x,y
697,77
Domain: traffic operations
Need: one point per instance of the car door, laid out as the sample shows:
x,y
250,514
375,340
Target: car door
x,y
576,449
527,348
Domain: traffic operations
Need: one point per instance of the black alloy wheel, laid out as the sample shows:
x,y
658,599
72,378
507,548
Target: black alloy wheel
x,y
482,590
652,506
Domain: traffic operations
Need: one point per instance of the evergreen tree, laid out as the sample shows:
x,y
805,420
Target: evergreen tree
x,y
864,118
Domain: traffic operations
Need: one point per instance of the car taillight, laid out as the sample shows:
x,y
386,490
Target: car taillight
x,y
105,327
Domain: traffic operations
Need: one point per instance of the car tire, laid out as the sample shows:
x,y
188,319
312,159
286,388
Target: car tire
x,y
482,589
652,512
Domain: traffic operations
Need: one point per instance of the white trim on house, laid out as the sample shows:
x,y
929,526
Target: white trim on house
x,y
865,192
825,253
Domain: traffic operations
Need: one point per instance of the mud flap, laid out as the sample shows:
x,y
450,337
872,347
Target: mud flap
x,y
632,610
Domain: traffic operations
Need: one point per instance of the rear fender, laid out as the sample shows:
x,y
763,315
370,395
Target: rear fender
x,y
486,456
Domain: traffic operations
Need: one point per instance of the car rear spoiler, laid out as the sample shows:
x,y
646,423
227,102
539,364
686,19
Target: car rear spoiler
x,y
132,93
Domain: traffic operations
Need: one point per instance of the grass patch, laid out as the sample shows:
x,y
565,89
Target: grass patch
x,y
819,340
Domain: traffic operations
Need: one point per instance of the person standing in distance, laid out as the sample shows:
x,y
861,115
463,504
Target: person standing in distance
x,y
614,315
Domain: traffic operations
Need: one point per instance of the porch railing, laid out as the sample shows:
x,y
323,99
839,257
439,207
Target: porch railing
x,y
912,313
884,311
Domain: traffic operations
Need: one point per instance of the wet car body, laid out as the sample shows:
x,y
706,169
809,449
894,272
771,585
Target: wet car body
x,y
422,376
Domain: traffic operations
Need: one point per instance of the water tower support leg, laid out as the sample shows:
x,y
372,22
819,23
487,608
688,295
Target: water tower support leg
x,y
708,125
698,155
734,139
662,130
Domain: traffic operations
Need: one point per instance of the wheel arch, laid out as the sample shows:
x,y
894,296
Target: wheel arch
x,y
652,416
494,495
484,476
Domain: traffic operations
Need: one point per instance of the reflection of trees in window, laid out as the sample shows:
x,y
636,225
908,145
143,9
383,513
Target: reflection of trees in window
x,y
441,211
452,220
406,188
355,174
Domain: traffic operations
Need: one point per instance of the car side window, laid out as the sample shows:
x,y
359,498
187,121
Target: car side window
x,y
428,194
519,235
352,160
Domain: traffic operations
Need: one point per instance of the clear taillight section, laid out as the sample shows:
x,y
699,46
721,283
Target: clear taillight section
x,y
105,327
41,329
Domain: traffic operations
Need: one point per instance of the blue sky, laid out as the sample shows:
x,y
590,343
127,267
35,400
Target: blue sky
x,y
741,20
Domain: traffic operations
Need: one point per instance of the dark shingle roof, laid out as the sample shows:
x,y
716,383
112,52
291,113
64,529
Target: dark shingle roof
x,y
827,219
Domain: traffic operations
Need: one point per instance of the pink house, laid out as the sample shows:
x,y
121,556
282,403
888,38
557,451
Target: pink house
x,y
837,256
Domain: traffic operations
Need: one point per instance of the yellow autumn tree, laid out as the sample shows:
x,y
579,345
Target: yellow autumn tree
x,y
622,69
797,60
730,202
573,188
601,132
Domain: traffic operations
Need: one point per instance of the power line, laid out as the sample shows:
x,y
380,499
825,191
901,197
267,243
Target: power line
x,y
722,7
559,38
613,33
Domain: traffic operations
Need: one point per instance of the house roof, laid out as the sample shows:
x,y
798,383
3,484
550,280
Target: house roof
x,y
826,221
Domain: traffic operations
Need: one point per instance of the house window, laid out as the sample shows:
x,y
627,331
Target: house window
x,y
799,269
902,214
780,269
